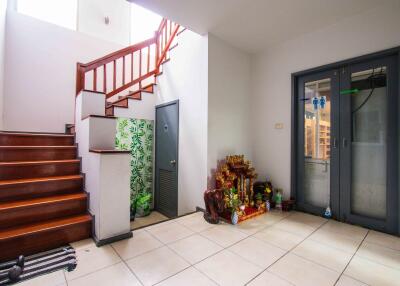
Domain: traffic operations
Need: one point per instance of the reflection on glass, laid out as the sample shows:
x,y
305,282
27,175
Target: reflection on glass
x,y
317,133
369,125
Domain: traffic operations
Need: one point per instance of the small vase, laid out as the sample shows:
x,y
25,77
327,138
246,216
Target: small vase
x,y
234,218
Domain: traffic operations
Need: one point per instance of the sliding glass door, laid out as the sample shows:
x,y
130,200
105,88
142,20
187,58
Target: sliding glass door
x,y
347,143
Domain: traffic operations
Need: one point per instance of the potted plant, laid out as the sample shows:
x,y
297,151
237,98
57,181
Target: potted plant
x,y
233,203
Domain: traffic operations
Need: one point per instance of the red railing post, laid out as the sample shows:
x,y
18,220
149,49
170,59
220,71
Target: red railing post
x,y
162,40
80,78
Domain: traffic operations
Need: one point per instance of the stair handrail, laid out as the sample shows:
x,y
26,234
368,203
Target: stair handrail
x,y
161,41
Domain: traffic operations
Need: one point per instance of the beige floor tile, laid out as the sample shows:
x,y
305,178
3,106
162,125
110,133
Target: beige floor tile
x,y
141,242
52,279
153,217
322,254
350,231
224,235
188,276
383,239
258,252
280,238
195,222
335,240
372,273
308,219
168,233
83,244
380,254
348,281
91,259
195,248
302,272
252,226
227,268
268,219
160,224
279,214
157,265
300,229
268,279
118,274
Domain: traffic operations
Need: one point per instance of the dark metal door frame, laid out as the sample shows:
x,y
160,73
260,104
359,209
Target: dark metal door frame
x,y
338,206
156,187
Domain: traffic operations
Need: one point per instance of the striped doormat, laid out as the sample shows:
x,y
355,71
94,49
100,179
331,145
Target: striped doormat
x,y
24,268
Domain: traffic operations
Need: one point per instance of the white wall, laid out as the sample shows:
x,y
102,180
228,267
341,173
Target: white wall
x,y
40,72
3,13
375,30
91,19
185,78
228,104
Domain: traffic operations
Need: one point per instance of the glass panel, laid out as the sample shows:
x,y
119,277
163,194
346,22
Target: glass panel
x,y
317,133
369,143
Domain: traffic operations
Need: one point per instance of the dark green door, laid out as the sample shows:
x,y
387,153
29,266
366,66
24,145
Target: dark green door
x,y
166,175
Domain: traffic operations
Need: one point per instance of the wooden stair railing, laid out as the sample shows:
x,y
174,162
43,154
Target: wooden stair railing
x,y
129,66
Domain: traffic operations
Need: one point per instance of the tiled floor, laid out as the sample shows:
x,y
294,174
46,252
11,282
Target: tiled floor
x,y
279,249
152,218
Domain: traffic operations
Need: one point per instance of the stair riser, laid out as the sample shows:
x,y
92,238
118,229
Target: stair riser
x,y
39,189
31,243
41,170
14,140
110,111
15,155
41,212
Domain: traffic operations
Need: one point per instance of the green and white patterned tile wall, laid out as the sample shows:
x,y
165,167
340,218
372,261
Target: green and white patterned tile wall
x,y
137,136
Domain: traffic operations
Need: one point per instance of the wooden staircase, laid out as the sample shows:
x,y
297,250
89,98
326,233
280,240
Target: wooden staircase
x,y
42,202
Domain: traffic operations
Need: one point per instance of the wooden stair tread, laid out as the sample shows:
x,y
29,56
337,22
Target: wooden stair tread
x,y
36,134
41,179
42,226
38,147
44,200
27,163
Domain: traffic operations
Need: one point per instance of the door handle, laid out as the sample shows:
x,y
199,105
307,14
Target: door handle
x,y
335,142
172,162
344,142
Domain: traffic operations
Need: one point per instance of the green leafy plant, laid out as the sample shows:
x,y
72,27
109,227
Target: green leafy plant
x,y
233,201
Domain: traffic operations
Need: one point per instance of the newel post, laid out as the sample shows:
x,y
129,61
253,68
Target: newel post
x,y
80,78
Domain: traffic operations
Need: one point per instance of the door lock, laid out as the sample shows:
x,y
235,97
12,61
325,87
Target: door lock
x,y
172,162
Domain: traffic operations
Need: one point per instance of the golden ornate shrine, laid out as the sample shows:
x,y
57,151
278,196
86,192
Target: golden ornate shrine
x,y
237,174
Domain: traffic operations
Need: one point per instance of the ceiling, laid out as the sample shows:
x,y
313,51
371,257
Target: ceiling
x,y
252,25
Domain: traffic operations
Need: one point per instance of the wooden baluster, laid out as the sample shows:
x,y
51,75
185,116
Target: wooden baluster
x,y
165,31
140,63
132,67
115,75
156,51
123,70
161,42
148,59
95,79
105,79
